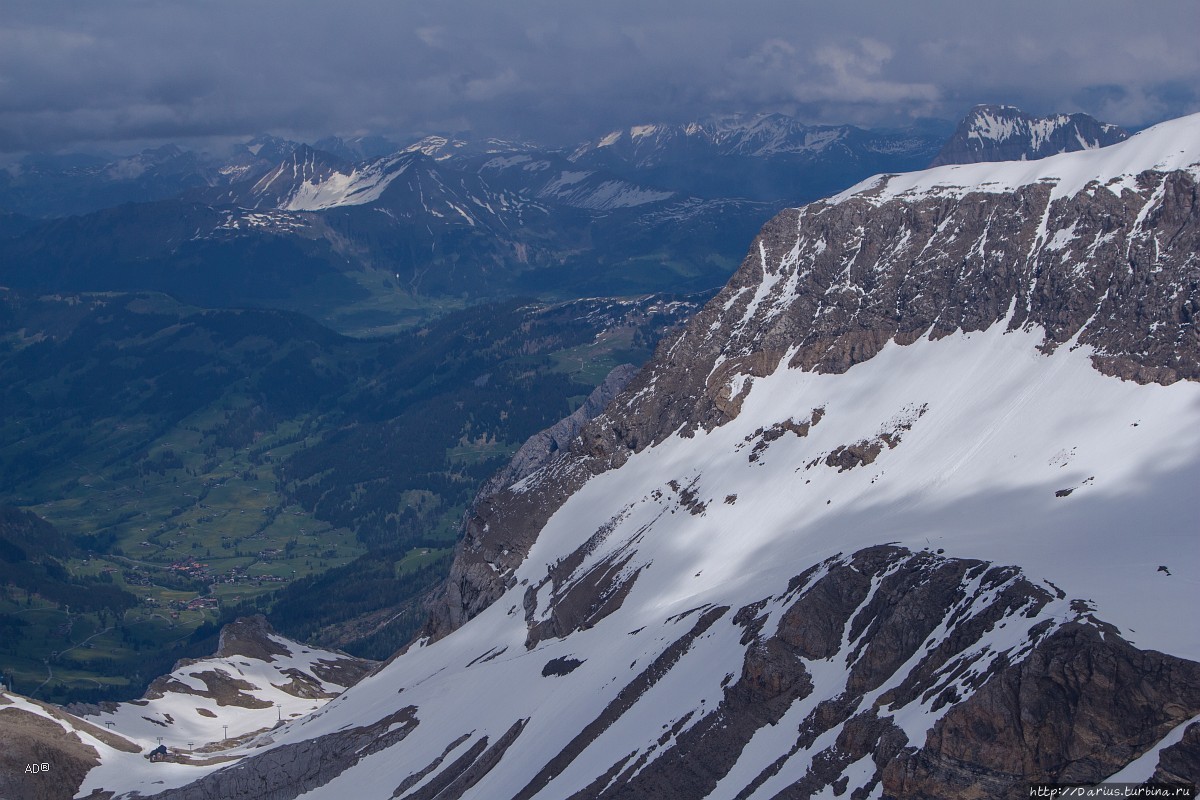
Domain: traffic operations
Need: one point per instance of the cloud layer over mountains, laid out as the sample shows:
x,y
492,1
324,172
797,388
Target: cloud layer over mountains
x,y
130,71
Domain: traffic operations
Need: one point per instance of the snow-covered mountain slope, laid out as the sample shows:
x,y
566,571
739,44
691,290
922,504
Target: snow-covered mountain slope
x,y
1164,148
295,184
251,160
907,510
256,678
1005,133
351,186
444,179
554,180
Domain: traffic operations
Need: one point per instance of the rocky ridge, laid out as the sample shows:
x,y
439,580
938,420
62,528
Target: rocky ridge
x,y
756,135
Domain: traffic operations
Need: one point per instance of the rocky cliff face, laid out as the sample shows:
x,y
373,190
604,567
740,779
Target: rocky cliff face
x,y
903,512
916,628
1005,133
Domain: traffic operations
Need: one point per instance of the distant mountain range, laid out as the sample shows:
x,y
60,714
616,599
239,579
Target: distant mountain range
x,y
805,159
364,233
768,157
763,157
363,238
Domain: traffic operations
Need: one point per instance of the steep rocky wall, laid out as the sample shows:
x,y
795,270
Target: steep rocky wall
x,y
828,286
1019,684
1081,706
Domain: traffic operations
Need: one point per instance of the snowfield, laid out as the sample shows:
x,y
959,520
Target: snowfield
x,y
977,475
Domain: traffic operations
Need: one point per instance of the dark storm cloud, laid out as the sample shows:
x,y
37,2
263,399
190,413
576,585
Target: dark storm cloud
x,y
74,74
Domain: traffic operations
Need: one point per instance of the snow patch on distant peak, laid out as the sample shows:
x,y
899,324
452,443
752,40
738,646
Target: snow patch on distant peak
x,y
359,187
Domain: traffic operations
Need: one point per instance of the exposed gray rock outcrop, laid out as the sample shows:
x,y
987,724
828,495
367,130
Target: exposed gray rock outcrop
x,y
1180,763
1080,707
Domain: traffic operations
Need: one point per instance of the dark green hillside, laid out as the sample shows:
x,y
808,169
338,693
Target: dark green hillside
x,y
200,460
62,626
32,553
156,247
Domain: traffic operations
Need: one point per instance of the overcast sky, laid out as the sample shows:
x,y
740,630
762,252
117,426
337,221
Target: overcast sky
x,y
77,75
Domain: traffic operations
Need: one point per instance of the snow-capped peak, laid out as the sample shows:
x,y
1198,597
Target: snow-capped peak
x,y
1172,145
1005,133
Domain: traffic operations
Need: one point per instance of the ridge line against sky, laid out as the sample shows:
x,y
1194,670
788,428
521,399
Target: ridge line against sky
x,y
123,72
